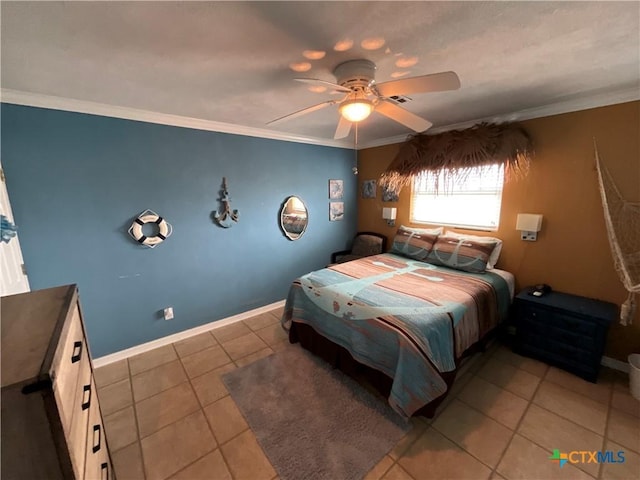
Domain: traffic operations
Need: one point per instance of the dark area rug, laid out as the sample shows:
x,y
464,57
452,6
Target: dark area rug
x,y
312,421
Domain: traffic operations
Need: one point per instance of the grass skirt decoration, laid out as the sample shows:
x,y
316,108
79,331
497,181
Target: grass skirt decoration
x,y
455,153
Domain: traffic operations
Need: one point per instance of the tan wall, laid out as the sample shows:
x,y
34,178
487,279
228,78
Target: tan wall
x,y
572,252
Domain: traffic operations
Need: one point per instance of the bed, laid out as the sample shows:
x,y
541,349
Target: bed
x,y
402,322
294,222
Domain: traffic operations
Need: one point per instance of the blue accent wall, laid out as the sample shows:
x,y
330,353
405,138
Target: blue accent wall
x,y
76,182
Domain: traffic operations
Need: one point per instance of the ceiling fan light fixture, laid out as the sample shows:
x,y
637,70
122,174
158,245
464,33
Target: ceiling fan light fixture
x,y
356,110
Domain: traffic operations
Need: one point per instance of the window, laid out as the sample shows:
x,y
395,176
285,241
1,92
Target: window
x,y
471,202
297,205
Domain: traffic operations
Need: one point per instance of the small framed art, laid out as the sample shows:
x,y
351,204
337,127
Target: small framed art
x,y
336,211
389,195
336,189
369,189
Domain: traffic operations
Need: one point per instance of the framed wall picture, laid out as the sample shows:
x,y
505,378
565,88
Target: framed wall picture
x,y
336,211
336,189
369,189
388,195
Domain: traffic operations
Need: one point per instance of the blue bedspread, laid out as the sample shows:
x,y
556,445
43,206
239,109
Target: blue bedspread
x,y
408,319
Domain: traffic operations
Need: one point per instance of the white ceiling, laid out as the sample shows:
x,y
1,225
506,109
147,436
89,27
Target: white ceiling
x,y
226,65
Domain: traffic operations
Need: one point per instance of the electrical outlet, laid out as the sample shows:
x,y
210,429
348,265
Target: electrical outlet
x,y
168,313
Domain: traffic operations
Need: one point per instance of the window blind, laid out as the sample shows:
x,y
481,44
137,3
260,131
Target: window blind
x,y
471,201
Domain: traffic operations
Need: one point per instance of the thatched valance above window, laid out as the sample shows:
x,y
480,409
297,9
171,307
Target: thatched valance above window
x,y
458,151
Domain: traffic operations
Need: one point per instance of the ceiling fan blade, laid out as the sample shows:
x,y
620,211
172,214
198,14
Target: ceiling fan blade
x,y
435,82
344,127
324,83
304,111
400,115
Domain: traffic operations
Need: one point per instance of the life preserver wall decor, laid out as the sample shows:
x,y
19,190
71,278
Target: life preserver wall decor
x,y
149,216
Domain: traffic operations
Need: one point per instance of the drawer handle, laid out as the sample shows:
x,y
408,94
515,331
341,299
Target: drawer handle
x,y
77,352
96,446
87,403
104,470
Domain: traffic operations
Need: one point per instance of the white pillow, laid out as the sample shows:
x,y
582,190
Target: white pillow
x,y
493,258
424,231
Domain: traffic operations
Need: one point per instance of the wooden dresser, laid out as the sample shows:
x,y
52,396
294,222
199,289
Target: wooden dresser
x,y
51,422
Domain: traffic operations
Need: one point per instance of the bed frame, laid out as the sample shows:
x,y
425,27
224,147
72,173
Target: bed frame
x,y
340,358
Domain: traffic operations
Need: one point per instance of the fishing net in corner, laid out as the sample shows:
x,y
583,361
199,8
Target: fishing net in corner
x,y
622,219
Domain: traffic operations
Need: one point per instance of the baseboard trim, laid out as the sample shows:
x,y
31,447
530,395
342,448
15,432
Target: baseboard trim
x,y
615,364
176,337
160,342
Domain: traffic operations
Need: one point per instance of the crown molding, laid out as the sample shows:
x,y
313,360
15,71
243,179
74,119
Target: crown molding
x,y
29,99
558,108
92,108
386,141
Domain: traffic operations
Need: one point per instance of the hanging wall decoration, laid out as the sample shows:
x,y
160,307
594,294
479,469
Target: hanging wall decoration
x,y
456,152
162,229
7,229
336,211
336,189
228,216
389,195
369,189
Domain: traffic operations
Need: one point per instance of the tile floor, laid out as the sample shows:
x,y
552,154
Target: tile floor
x,y
168,416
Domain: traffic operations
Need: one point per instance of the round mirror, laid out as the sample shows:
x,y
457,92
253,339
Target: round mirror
x,y
293,218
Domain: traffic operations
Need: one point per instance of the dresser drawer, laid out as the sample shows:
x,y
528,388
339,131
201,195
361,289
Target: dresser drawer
x,y
77,435
97,465
49,400
66,367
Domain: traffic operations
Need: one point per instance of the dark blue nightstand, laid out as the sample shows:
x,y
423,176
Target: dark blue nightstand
x,y
564,330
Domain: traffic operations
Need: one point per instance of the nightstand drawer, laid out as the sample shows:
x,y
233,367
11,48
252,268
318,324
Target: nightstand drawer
x,y
559,349
589,343
530,326
558,320
574,324
588,372
570,352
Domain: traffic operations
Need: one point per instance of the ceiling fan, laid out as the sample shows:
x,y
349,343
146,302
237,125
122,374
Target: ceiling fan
x,y
356,79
